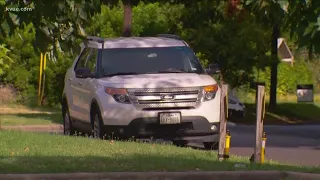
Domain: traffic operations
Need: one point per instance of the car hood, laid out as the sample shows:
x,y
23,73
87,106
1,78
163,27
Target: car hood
x,y
158,80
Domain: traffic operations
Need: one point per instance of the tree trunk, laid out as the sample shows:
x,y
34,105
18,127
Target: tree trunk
x,y
310,52
127,15
274,67
221,77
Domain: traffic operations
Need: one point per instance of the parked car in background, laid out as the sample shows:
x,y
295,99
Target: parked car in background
x,y
236,109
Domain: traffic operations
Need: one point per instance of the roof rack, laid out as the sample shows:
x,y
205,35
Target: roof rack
x,y
172,36
94,38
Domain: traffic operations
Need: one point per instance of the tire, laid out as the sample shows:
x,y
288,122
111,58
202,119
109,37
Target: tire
x,y
230,113
68,129
97,125
211,145
180,143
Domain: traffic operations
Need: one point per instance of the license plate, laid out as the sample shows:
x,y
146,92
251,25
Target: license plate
x,y
170,118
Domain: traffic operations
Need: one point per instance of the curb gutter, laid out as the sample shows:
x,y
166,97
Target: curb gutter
x,y
218,175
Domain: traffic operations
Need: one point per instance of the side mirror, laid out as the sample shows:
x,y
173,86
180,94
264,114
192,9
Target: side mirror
x,y
83,73
213,69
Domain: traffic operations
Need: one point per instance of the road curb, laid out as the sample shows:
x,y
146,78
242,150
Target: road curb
x,y
218,175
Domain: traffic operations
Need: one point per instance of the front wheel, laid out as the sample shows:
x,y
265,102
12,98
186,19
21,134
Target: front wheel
x,y
97,126
68,129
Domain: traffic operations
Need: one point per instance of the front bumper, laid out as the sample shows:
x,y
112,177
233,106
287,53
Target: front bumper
x,y
115,114
190,128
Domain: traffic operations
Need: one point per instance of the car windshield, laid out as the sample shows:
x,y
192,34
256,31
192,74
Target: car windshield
x,y
124,61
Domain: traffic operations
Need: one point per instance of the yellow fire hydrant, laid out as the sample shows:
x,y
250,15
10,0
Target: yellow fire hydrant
x,y
227,146
263,147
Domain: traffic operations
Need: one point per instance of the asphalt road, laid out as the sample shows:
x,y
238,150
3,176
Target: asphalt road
x,y
288,144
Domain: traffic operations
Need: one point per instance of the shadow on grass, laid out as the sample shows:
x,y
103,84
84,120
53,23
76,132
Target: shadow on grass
x,y
129,163
31,118
285,113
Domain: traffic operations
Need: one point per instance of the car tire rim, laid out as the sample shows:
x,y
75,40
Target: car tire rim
x,y
66,123
96,130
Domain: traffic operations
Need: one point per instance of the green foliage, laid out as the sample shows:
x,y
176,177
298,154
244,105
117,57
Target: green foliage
x,y
5,60
315,67
55,74
148,20
108,23
268,12
303,21
23,73
155,18
235,44
288,76
58,22
203,59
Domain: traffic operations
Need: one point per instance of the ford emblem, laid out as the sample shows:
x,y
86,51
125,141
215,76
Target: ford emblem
x,y
167,97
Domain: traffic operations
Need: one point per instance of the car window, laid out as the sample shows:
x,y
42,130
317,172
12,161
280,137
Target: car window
x,y
92,60
144,60
83,58
88,59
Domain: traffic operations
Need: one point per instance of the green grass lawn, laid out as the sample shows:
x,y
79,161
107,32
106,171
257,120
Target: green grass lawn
x,y
25,152
288,111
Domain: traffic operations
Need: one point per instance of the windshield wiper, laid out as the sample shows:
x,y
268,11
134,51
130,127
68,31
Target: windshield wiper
x,y
120,73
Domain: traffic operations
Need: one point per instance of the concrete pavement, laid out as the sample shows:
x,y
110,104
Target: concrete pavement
x,y
218,175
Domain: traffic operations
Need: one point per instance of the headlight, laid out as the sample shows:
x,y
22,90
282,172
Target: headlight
x,y
120,95
210,92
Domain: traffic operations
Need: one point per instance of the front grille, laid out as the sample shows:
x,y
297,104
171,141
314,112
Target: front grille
x,y
162,98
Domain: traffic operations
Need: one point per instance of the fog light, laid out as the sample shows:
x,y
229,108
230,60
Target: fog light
x,y
209,95
121,98
213,127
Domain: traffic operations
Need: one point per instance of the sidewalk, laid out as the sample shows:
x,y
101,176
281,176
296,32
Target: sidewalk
x,y
218,175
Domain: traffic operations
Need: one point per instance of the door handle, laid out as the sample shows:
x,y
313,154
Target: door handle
x,y
70,79
80,83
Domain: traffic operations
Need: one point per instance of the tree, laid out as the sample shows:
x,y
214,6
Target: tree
x,y
303,22
5,60
236,44
127,21
270,13
57,23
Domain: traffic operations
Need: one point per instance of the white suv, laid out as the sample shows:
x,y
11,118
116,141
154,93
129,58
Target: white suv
x,y
142,87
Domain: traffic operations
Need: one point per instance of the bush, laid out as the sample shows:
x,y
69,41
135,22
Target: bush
x,y
55,75
315,66
5,60
288,77
23,72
